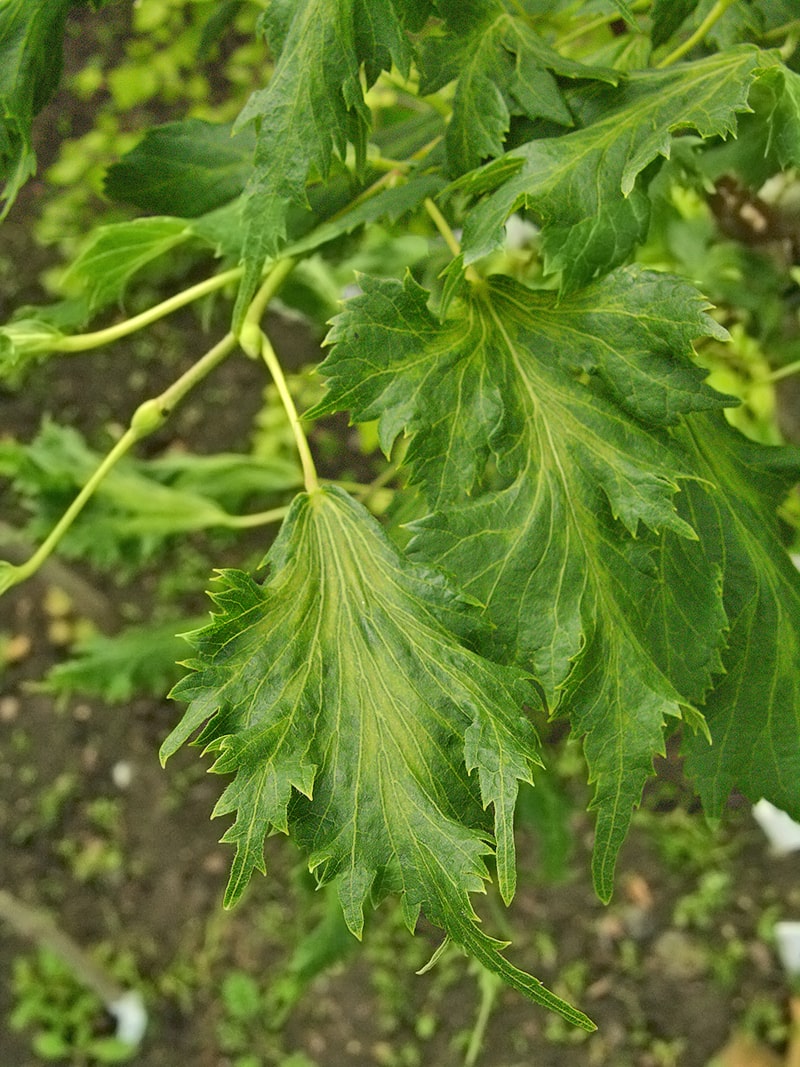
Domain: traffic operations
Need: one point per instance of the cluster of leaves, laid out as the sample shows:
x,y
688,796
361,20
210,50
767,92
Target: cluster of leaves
x,y
589,536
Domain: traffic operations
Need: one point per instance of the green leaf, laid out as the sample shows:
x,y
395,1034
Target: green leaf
x,y
742,21
624,9
537,431
141,660
24,342
139,504
30,68
389,204
754,711
363,728
778,111
583,188
183,168
312,108
50,1045
503,68
769,138
114,253
217,25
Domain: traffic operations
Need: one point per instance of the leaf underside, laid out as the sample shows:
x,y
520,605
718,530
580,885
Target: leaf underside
x,y
373,734
539,433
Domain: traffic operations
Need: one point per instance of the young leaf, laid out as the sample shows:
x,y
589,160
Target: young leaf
x,y
139,504
554,396
363,728
753,713
23,342
117,252
503,67
114,253
183,168
582,188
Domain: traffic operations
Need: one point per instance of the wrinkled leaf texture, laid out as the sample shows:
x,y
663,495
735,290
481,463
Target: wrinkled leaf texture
x,y
502,67
566,404
563,446
372,733
584,188
184,168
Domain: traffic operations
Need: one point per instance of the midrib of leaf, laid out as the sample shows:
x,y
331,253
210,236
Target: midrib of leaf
x,y
606,131
339,672
549,412
346,573
544,416
551,421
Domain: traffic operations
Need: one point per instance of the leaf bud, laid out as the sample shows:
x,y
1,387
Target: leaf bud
x,y
148,417
250,339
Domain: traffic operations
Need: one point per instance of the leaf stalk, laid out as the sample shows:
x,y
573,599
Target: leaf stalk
x,y
258,305
310,477
779,374
714,15
255,342
82,342
258,518
442,225
147,418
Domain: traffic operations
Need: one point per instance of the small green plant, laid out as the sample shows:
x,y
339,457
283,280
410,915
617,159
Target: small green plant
x,y
238,1030
698,910
567,526
68,1021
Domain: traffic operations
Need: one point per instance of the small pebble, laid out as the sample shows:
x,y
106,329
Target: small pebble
x,y
215,862
9,709
57,604
89,758
16,648
122,774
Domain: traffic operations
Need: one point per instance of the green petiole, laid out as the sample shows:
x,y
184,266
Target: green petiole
x,y
714,15
148,417
153,413
82,342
